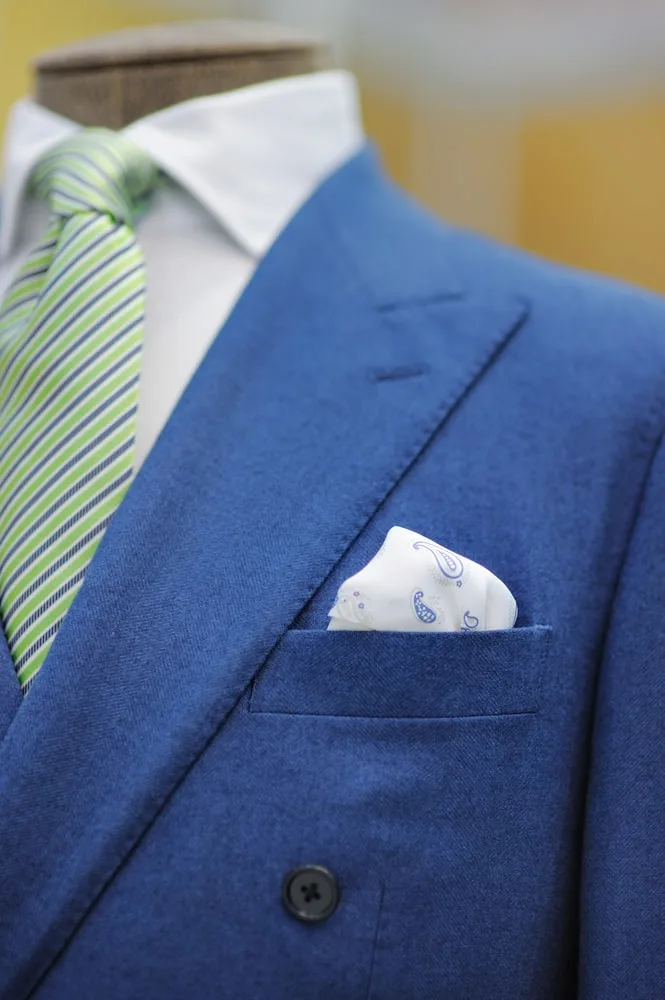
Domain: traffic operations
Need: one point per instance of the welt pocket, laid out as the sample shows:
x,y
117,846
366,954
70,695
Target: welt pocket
x,y
404,674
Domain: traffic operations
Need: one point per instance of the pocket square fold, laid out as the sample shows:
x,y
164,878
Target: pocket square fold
x,y
415,585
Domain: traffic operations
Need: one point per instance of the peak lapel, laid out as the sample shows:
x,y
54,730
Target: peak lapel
x,y
318,394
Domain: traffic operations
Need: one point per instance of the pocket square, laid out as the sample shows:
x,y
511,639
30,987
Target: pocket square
x,y
415,585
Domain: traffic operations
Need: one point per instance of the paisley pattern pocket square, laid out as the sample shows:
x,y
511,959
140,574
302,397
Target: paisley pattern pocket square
x,y
415,585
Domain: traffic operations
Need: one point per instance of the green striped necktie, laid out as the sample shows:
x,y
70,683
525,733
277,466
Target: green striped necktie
x,y
71,334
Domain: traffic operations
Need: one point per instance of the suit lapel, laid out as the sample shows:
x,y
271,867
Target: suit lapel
x,y
321,390
10,689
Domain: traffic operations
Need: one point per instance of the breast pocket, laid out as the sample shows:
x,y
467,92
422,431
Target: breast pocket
x,y
403,675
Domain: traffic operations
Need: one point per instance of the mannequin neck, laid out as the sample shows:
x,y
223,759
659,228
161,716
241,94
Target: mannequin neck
x,y
114,80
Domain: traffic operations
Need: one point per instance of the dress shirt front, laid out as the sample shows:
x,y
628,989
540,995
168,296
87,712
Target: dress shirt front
x,y
238,166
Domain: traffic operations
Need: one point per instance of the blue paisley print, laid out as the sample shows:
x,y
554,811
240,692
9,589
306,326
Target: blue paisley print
x,y
450,565
422,611
470,622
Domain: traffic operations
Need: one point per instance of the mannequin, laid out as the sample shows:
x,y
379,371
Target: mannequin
x,y
113,80
221,221
207,791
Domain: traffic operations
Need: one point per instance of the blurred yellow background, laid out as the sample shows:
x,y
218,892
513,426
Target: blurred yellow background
x,y
580,183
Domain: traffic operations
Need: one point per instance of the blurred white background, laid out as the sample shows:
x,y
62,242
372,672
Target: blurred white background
x,y
541,122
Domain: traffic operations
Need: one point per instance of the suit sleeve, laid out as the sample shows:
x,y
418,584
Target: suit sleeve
x,y
622,945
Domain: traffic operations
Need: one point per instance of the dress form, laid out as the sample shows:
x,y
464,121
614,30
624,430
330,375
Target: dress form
x,y
115,79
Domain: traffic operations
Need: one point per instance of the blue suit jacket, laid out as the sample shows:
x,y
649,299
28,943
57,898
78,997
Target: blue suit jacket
x,y
492,805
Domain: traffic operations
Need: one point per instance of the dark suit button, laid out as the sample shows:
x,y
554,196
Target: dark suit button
x,y
310,893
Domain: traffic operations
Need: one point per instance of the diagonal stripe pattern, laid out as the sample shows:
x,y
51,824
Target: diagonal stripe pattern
x,y
71,333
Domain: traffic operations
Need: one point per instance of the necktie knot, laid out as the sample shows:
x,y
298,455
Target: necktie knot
x,y
96,170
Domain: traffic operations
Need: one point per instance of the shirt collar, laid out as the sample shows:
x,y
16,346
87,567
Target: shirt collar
x,y
252,157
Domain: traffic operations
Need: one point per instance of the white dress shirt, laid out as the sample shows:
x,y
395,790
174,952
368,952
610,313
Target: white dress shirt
x,y
239,165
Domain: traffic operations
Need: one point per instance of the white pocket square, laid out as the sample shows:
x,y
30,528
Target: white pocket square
x,y
415,585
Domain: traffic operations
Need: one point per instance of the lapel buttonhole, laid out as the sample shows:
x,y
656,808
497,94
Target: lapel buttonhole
x,y
386,374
